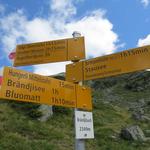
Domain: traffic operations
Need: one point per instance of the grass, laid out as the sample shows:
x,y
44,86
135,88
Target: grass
x,y
21,132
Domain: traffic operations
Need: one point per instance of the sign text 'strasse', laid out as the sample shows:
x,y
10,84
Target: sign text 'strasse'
x,y
50,51
123,62
28,87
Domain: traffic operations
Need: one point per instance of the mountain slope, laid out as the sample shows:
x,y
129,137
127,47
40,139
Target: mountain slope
x,y
115,100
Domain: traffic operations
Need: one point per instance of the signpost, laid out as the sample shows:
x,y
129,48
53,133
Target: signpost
x,y
123,62
50,51
79,143
84,125
28,87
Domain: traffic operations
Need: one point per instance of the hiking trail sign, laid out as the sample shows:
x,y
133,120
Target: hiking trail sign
x,y
123,62
28,87
50,51
84,125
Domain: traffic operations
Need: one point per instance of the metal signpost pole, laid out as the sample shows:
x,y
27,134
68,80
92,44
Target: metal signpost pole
x,y
79,143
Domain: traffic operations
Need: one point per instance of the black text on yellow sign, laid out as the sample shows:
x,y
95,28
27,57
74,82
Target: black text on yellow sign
x,y
50,51
123,62
28,87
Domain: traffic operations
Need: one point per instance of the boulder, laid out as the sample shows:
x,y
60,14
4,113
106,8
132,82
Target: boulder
x,y
46,112
133,133
146,118
137,116
140,116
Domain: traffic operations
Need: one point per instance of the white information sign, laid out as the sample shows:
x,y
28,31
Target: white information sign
x,y
84,125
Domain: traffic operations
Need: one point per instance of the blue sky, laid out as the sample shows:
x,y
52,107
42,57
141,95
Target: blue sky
x,y
108,26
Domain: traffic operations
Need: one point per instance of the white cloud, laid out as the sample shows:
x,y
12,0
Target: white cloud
x,y
144,41
100,38
50,69
145,2
38,29
63,8
13,28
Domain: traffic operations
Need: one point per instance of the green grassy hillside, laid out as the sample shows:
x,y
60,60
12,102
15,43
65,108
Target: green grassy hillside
x,y
113,104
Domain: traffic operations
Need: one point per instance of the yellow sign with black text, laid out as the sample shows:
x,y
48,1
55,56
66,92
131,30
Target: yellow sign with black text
x,y
50,51
28,87
123,62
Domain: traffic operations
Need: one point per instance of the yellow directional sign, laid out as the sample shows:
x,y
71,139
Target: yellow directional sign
x,y
123,62
28,87
50,51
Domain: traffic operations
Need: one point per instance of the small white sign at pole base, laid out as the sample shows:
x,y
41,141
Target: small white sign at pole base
x,y
84,125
